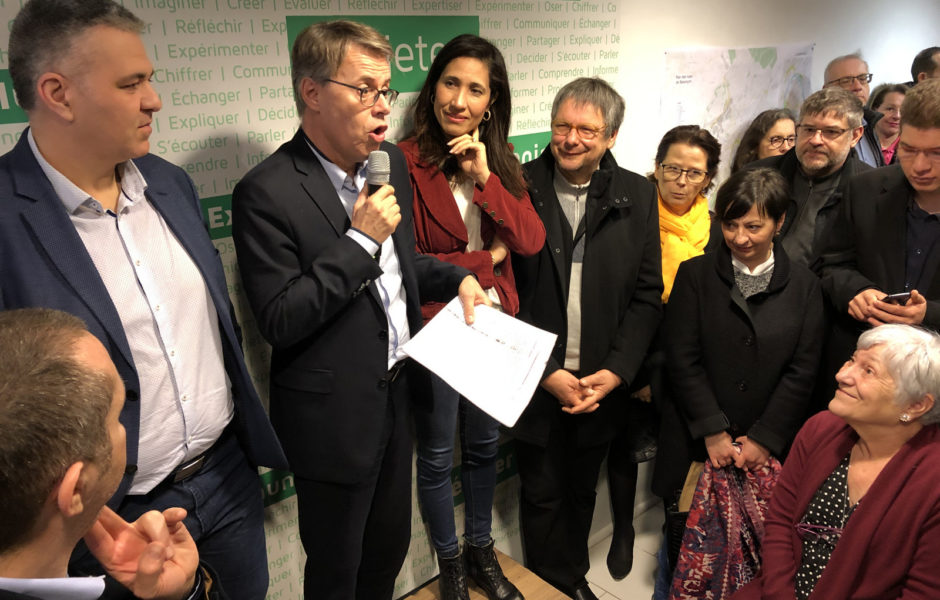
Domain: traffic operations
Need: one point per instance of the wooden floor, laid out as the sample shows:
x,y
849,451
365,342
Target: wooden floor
x,y
529,584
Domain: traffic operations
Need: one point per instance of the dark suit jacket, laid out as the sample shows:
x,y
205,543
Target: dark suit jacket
x,y
745,366
621,290
43,262
868,247
312,290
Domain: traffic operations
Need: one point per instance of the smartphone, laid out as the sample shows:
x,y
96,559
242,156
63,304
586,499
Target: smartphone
x,y
900,298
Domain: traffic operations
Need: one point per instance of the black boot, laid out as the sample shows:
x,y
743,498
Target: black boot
x,y
453,580
483,567
621,481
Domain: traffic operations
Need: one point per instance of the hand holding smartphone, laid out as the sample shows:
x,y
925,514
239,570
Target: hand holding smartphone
x,y
899,298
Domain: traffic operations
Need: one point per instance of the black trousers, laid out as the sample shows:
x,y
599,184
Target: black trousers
x,y
557,505
356,535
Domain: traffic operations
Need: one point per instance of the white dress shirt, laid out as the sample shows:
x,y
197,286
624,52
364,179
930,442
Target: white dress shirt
x,y
168,317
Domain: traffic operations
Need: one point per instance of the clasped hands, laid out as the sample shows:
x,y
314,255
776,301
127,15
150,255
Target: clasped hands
x,y
868,307
744,453
154,557
580,396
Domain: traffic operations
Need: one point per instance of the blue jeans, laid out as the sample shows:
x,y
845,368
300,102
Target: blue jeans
x,y
479,442
225,515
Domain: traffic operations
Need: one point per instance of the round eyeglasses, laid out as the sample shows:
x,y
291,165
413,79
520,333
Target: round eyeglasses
x,y
584,132
779,140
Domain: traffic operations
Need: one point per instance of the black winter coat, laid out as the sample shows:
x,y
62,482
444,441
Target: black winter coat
x,y
742,366
621,290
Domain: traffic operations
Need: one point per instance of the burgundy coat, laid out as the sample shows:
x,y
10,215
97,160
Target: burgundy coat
x,y
891,545
440,230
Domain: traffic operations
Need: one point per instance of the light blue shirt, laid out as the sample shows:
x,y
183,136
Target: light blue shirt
x,y
389,284
866,153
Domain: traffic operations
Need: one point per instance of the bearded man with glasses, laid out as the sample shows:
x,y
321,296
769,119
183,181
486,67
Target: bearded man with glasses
x,y
818,168
886,238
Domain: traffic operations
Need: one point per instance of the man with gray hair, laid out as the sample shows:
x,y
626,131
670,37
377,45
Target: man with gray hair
x,y
880,263
94,225
850,72
597,285
331,273
818,168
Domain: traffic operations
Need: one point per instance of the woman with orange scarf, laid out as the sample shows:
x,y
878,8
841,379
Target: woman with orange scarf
x,y
686,162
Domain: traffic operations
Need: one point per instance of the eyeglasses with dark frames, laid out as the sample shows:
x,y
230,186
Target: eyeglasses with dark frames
x,y
846,82
829,134
777,140
674,172
369,95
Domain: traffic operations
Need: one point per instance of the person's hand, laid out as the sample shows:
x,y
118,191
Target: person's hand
x,y
644,394
471,156
721,452
471,294
564,386
499,250
377,215
860,305
595,388
911,313
154,557
752,456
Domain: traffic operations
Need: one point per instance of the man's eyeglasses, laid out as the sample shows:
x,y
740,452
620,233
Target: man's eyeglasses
x,y
584,132
846,82
830,134
369,95
778,140
673,173
906,152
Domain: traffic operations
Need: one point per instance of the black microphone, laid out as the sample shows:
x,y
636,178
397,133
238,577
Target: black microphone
x,y
379,171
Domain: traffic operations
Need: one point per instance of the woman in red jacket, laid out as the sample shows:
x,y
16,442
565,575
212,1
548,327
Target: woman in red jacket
x,y
471,208
856,512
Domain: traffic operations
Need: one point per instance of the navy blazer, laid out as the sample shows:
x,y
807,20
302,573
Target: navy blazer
x,y
312,289
43,262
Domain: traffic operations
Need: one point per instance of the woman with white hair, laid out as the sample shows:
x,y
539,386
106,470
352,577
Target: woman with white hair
x,y
856,512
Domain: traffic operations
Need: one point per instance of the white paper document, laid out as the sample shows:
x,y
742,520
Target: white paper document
x,y
494,363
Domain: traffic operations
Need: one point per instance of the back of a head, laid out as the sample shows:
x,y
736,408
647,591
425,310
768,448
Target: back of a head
x,y
921,106
927,62
52,414
43,31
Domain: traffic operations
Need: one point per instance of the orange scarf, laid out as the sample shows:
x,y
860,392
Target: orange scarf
x,y
682,237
